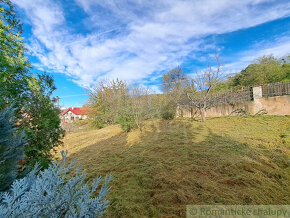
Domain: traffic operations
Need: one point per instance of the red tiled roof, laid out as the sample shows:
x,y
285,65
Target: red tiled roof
x,y
75,110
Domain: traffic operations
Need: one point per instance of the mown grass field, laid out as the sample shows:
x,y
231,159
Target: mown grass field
x,y
229,160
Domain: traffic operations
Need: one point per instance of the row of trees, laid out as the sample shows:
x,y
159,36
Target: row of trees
x,y
112,102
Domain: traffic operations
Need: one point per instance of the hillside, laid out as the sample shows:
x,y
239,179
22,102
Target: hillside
x,y
229,160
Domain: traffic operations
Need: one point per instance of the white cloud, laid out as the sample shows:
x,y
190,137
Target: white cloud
x,y
152,35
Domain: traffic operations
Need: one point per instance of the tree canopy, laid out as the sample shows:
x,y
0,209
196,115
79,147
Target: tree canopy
x,y
30,93
14,66
264,70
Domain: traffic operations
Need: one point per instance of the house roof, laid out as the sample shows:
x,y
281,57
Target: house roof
x,y
75,110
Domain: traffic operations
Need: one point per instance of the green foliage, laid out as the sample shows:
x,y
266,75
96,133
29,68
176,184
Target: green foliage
x,y
30,94
11,148
168,109
286,67
174,83
41,122
140,105
111,104
99,122
125,114
127,122
13,64
162,106
100,111
223,86
266,69
107,101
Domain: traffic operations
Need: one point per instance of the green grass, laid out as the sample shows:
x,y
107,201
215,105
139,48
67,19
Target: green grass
x,y
229,160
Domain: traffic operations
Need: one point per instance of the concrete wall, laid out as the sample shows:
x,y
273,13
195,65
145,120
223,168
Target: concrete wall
x,y
279,105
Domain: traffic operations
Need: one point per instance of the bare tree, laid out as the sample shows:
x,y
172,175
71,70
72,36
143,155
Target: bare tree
x,y
140,105
201,87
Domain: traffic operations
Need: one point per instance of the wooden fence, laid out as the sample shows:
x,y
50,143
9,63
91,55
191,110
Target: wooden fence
x,y
245,94
276,89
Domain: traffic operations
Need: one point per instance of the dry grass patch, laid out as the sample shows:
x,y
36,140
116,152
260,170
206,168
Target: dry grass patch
x,y
76,141
228,160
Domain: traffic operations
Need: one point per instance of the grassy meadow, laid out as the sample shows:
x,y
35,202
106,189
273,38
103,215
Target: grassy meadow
x,y
157,172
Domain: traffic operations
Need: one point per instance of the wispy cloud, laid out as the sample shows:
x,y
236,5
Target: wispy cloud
x,y
278,48
136,40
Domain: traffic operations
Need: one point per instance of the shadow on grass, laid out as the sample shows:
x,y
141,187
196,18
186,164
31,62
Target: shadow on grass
x,y
178,163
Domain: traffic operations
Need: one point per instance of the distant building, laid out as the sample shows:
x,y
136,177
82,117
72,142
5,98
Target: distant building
x,y
73,113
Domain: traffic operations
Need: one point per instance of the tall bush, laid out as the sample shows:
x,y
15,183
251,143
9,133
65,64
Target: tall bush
x,y
41,121
111,104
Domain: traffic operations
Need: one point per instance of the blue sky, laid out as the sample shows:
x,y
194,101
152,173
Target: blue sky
x,y
81,42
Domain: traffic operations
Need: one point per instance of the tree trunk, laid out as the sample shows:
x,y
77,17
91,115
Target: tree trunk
x,y
202,113
164,126
191,113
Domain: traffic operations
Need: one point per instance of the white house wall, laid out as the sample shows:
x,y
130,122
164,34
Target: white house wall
x,y
70,117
